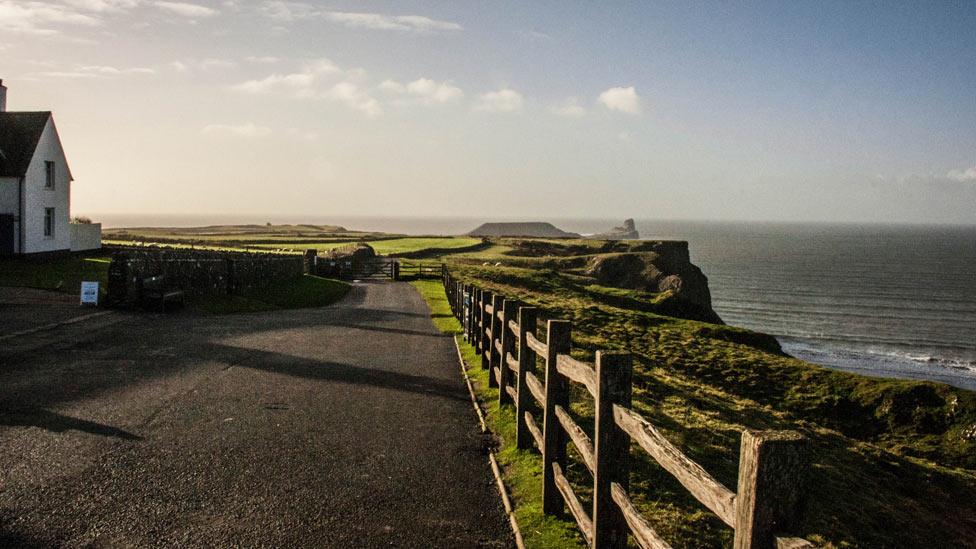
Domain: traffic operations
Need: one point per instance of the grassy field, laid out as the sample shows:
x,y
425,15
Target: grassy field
x,y
304,292
63,274
280,238
885,452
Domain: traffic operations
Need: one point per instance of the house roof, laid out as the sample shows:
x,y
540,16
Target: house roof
x,y
19,135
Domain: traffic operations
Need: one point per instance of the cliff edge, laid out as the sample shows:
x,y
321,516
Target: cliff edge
x,y
663,267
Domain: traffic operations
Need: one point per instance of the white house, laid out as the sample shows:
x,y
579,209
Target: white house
x,y
35,187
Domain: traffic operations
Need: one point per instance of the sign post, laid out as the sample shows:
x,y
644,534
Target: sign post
x,y
89,293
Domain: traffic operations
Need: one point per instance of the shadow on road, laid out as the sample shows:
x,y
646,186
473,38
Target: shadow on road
x,y
346,373
59,423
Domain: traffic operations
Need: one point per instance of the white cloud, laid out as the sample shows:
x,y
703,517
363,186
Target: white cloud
x,y
185,9
349,93
568,107
294,11
39,17
963,176
104,6
300,84
249,130
504,100
178,66
392,86
287,11
424,89
96,71
376,21
621,99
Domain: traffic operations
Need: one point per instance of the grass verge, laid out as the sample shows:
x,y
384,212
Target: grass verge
x,y
299,293
521,469
63,274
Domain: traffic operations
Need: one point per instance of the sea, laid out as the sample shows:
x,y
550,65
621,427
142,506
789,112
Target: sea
x,y
882,300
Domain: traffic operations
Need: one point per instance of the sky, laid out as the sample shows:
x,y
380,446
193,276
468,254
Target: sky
x,y
781,111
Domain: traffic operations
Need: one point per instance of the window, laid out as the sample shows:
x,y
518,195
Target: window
x,y
49,174
49,222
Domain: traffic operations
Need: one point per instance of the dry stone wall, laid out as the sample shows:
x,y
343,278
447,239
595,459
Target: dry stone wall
x,y
198,273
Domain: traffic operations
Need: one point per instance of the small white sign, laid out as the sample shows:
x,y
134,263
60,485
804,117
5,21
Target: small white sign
x,y
89,293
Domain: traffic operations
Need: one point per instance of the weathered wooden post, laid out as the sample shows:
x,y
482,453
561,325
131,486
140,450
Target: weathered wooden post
x,y
486,299
494,360
473,338
509,310
458,299
466,311
559,335
472,291
526,363
611,448
773,467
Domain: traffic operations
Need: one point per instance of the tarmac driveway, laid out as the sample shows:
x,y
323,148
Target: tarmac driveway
x,y
342,426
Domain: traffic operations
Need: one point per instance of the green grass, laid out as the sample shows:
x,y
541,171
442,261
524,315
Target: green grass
x,y
286,239
63,274
403,245
522,469
299,293
884,451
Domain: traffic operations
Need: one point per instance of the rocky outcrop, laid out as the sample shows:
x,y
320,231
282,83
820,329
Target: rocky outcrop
x,y
626,232
532,229
660,267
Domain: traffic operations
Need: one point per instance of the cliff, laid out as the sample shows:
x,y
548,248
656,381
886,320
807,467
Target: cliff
x,y
532,229
659,267
628,231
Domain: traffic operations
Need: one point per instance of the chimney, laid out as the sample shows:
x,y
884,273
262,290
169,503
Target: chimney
x,y
3,97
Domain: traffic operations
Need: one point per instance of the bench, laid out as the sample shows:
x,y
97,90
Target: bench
x,y
154,288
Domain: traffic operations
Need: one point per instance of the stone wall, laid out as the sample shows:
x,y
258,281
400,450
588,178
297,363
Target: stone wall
x,y
198,273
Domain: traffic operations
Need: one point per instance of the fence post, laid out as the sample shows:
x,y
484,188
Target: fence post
x,y
458,299
559,335
773,467
497,302
611,447
475,317
526,363
470,323
486,298
509,310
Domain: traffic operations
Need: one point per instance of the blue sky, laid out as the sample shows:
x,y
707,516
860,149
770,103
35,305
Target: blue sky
x,y
768,111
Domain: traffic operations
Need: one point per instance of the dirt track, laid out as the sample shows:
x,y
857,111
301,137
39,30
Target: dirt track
x,y
342,426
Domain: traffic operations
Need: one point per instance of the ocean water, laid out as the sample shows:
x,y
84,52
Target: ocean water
x,y
892,301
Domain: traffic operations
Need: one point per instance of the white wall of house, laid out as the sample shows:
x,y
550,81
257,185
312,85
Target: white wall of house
x,y
37,197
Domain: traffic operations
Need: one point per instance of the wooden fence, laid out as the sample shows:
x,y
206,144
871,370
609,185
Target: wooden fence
x,y
772,464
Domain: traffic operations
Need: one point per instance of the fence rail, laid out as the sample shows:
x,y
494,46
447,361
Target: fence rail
x,y
772,464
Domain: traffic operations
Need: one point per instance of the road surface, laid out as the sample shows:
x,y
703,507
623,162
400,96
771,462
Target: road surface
x,y
344,426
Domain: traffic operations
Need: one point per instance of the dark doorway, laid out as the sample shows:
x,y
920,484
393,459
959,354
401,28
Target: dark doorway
x,y
7,234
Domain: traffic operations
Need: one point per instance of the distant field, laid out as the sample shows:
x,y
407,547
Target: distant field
x,y
281,238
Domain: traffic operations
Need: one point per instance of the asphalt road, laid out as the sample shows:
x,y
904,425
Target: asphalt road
x,y
345,426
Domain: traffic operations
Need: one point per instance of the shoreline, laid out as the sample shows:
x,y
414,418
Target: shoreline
x,y
880,365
